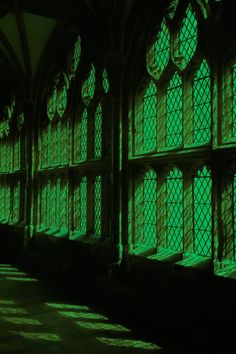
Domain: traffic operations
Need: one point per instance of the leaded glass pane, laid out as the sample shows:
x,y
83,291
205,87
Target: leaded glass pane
x,y
162,49
64,142
149,208
149,117
174,210
52,103
234,214
62,101
80,207
188,37
63,204
234,102
202,104
76,53
98,132
88,87
105,81
97,205
174,112
15,202
83,136
202,213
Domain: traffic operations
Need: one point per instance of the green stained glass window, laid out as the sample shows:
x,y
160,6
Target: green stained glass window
x,y
76,54
80,207
174,112
188,37
98,132
150,208
53,206
62,100
105,81
202,212
162,49
202,104
172,8
97,205
234,215
63,203
52,103
149,117
43,205
16,152
83,136
64,142
15,217
174,210
234,101
5,201
88,87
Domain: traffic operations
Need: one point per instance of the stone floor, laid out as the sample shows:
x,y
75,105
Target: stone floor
x,y
37,319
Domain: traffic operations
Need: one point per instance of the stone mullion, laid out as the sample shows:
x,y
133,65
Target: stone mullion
x,y
104,205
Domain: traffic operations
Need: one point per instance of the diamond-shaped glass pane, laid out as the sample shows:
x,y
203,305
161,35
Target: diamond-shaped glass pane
x,y
105,81
202,104
80,207
202,213
83,136
234,101
174,210
77,53
188,36
150,208
162,49
149,117
98,132
15,202
234,216
97,205
62,198
174,112
88,87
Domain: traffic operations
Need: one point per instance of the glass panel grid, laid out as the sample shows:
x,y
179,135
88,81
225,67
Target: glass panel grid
x,y
202,213
105,81
150,208
234,214
188,36
88,87
234,101
174,210
97,205
162,48
202,104
149,115
174,112
80,207
98,132
83,136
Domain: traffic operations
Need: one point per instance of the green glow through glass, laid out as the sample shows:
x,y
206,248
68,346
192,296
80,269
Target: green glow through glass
x,y
188,36
162,48
174,210
202,104
149,208
174,112
149,117
97,205
98,132
202,212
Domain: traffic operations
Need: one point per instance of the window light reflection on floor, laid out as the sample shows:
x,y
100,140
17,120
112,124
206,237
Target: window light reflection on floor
x,y
38,335
84,315
67,306
102,326
14,310
21,320
128,343
21,279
